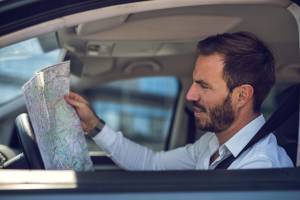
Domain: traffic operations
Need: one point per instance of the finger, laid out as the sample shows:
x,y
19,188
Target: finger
x,y
77,97
73,102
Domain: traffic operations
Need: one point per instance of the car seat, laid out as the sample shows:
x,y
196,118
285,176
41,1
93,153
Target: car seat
x,y
28,142
288,132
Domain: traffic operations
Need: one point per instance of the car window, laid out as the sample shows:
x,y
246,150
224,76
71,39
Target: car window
x,y
141,108
19,61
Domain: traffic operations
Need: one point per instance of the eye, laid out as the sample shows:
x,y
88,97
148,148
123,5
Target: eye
x,y
204,86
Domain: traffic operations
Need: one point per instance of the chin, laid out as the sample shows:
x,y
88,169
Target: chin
x,y
202,125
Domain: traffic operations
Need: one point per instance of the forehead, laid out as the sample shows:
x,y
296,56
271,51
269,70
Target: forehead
x,y
209,68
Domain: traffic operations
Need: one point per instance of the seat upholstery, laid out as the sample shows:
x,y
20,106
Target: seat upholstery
x,y
287,133
28,142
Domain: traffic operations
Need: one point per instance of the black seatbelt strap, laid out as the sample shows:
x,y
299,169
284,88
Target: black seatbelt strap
x,y
285,110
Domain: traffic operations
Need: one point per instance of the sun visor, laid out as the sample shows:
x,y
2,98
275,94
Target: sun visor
x,y
100,25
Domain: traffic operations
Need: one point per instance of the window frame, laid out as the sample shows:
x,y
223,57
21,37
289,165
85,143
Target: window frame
x,y
265,183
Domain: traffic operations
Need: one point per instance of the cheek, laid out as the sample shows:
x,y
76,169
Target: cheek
x,y
209,100
212,100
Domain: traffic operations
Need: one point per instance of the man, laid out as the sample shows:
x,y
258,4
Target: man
x,y
232,76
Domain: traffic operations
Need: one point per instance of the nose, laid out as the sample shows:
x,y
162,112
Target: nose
x,y
192,94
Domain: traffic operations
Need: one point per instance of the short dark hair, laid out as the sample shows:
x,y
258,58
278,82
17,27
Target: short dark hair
x,y
247,60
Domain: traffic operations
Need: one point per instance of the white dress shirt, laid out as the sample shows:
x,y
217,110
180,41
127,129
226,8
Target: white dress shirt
x,y
131,156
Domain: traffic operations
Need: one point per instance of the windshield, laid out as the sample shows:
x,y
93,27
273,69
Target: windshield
x,y
18,62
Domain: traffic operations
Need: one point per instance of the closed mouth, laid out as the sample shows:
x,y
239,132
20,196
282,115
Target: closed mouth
x,y
198,110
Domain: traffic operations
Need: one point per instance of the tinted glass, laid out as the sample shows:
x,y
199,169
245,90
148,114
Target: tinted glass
x,y
18,62
141,108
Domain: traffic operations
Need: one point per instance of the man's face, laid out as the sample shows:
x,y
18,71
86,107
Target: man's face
x,y
210,96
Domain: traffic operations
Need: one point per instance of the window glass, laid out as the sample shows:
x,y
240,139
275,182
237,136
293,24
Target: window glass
x,y
141,108
18,63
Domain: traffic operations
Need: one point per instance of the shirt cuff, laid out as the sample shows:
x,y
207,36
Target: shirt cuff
x,y
106,137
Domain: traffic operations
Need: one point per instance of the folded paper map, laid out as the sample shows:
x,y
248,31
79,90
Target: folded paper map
x,y
55,123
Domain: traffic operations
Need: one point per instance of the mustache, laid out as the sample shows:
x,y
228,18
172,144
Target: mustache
x,y
199,106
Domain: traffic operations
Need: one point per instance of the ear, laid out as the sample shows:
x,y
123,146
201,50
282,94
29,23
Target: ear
x,y
242,95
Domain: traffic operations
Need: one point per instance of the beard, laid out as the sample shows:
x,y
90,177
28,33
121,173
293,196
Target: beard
x,y
218,118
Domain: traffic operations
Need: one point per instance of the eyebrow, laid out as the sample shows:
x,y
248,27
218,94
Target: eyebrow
x,y
203,83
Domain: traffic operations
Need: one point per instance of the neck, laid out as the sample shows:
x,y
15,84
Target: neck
x,y
242,119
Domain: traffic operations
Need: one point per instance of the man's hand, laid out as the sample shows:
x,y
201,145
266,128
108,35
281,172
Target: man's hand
x,y
88,118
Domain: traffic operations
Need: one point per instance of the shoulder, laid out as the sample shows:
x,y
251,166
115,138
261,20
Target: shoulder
x,y
264,154
205,139
203,143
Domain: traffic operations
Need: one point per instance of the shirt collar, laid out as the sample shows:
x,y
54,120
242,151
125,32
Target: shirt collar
x,y
239,140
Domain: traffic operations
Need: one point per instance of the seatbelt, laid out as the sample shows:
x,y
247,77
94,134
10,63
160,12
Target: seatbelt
x,y
285,110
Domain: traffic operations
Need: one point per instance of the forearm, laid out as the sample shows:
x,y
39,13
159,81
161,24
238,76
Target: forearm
x,y
132,156
125,153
